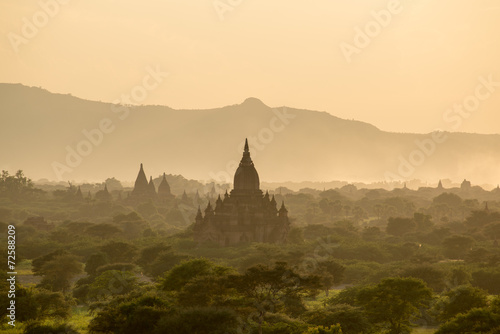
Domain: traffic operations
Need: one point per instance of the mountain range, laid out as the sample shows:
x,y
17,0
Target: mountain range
x,y
62,137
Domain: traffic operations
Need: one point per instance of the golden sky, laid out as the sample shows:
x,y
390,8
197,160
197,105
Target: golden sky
x,y
414,65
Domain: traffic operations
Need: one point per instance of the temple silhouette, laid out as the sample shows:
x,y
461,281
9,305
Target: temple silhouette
x,y
147,190
244,215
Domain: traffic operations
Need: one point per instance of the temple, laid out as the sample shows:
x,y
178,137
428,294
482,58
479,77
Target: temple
x,y
146,190
164,189
141,186
244,215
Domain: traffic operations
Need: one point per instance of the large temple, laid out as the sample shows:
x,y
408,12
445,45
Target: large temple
x,y
244,215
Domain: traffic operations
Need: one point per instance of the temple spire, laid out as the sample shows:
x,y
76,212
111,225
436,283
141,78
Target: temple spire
x,y
283,212
141,186
209,210
246,177
184,197
164,188
151,185
218,204
79,194
246,145
246,160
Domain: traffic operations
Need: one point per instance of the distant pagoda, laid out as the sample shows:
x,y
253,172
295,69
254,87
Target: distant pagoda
x,y
141,186
147,190
151,187
244,215
164,189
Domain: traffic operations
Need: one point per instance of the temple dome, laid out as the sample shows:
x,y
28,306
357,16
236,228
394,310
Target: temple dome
x,y
246,176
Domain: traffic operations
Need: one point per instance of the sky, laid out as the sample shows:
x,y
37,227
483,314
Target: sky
x,y
403,66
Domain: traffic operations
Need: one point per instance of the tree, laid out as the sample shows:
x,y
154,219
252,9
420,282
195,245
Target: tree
x,y
478,255
461,300
359,214
452,200
51,305
273,289
207,290
481,218
487,279
199,320
400,205
40,304
423,222
95,261
132,224
457,246
116,266
58,272
400,226
103,231
330,273
103,195
39,262
113,184
371,233
37,328
16,185
135,313
130,217
199,282
433,276
460,276
184,272
477,320
118,251
112,283
347,296
393,302
492,230
351,319
296,235
157,259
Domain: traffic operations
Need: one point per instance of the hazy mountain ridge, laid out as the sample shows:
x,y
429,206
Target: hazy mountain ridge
x,y
37,126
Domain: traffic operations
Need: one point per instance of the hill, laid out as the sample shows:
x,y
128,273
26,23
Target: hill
x,y
50,135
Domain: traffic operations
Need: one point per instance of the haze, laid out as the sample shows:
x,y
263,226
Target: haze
x,y
428,58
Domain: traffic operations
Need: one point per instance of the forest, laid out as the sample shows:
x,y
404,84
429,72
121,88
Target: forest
x,y
90,259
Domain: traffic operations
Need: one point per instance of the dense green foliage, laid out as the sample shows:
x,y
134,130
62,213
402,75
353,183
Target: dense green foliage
x,y
356,261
